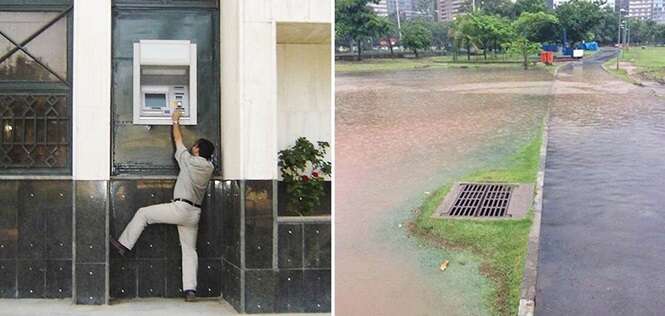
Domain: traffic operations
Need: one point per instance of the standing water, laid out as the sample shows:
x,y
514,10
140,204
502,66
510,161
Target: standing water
x,y
400,135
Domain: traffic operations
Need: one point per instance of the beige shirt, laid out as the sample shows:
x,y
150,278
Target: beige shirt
x,y
195,172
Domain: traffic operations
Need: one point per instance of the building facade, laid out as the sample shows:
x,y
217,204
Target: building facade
x,y
381,8
75,166
659,11
641,9
402,5
449,9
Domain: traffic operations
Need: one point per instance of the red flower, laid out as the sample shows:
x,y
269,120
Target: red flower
x,y
315,174
305,178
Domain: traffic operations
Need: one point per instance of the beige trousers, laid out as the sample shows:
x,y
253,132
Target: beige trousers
x,y
179,213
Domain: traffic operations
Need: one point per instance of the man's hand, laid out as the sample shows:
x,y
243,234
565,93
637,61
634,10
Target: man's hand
x,y
177,135
175,117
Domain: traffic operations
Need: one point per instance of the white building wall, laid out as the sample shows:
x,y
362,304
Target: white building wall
x,y
230,89
91,103
249,87
303,98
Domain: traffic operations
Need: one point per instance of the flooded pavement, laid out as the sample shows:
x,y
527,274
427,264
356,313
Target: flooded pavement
x,y
398,136
603,220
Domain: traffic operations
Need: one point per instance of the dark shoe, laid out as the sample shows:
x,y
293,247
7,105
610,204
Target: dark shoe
x,y
190,296
119,248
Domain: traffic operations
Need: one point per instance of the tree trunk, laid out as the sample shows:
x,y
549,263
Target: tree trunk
x,y
495,48
390,45
526,64
468,52
415,51
359,49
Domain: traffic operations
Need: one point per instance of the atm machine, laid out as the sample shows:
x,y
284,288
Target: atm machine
x,y
164,81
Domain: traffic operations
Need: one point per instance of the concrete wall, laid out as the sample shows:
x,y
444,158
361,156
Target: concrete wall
x,y
91,105
250,131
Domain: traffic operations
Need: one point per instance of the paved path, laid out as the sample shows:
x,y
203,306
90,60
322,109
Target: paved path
x,y
602,246
135,307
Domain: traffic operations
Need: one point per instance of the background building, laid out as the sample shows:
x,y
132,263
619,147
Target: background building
x,y
449,9
404,6
74,167
621,4
659,11
381,8
641,9
556,3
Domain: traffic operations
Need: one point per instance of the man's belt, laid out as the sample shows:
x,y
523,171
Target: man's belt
x,y
187,201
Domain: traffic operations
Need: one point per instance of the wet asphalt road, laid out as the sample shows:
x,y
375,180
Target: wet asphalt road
x,y
602,248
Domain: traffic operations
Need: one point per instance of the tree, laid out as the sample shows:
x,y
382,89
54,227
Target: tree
x,y
482,31
606,29
531,6
520,45
385,28
440,37
415,35
464,33
538,27
495,7
660,33
355,20
578,18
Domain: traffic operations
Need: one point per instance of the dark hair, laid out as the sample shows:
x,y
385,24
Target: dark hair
x,y
206,148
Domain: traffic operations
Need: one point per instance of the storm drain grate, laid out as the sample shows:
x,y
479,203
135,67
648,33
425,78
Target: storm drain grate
x,y
482,200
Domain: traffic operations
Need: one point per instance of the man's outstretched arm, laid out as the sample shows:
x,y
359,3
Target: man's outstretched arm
x,y
177,135
180,149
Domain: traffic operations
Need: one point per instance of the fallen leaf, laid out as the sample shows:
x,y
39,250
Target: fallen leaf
x,y
444,265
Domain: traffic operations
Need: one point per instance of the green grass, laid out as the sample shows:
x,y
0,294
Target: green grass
x,y
611,67
650,62
385,64
502,245
438,62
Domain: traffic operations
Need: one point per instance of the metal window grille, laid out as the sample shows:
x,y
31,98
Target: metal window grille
x,y
35,90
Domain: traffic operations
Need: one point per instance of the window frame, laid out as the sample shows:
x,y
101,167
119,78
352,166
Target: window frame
x,y
57,88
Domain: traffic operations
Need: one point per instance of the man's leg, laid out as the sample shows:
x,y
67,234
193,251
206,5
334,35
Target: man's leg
x,y
159,213
190,259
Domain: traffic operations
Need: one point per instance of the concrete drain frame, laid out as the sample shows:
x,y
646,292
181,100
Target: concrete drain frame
x,y
486,201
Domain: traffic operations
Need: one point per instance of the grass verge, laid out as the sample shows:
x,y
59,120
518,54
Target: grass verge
x,y
439,62
650,63
502,245
610,66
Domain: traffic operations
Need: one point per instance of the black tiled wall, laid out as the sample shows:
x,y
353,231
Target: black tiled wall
x,y
322,210
90,283
230,191
300,282
258,224
154,268
35,238
235,252
304,260
91,207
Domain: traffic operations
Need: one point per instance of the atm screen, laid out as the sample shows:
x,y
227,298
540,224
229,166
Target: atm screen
x,y
155,100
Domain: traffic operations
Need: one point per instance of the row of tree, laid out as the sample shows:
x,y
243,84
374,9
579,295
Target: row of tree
x,y
495,26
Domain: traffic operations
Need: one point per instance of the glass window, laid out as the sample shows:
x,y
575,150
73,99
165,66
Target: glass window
x,y
35,92
46,54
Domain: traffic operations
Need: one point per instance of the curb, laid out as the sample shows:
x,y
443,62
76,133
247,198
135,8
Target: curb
x,y
528,288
